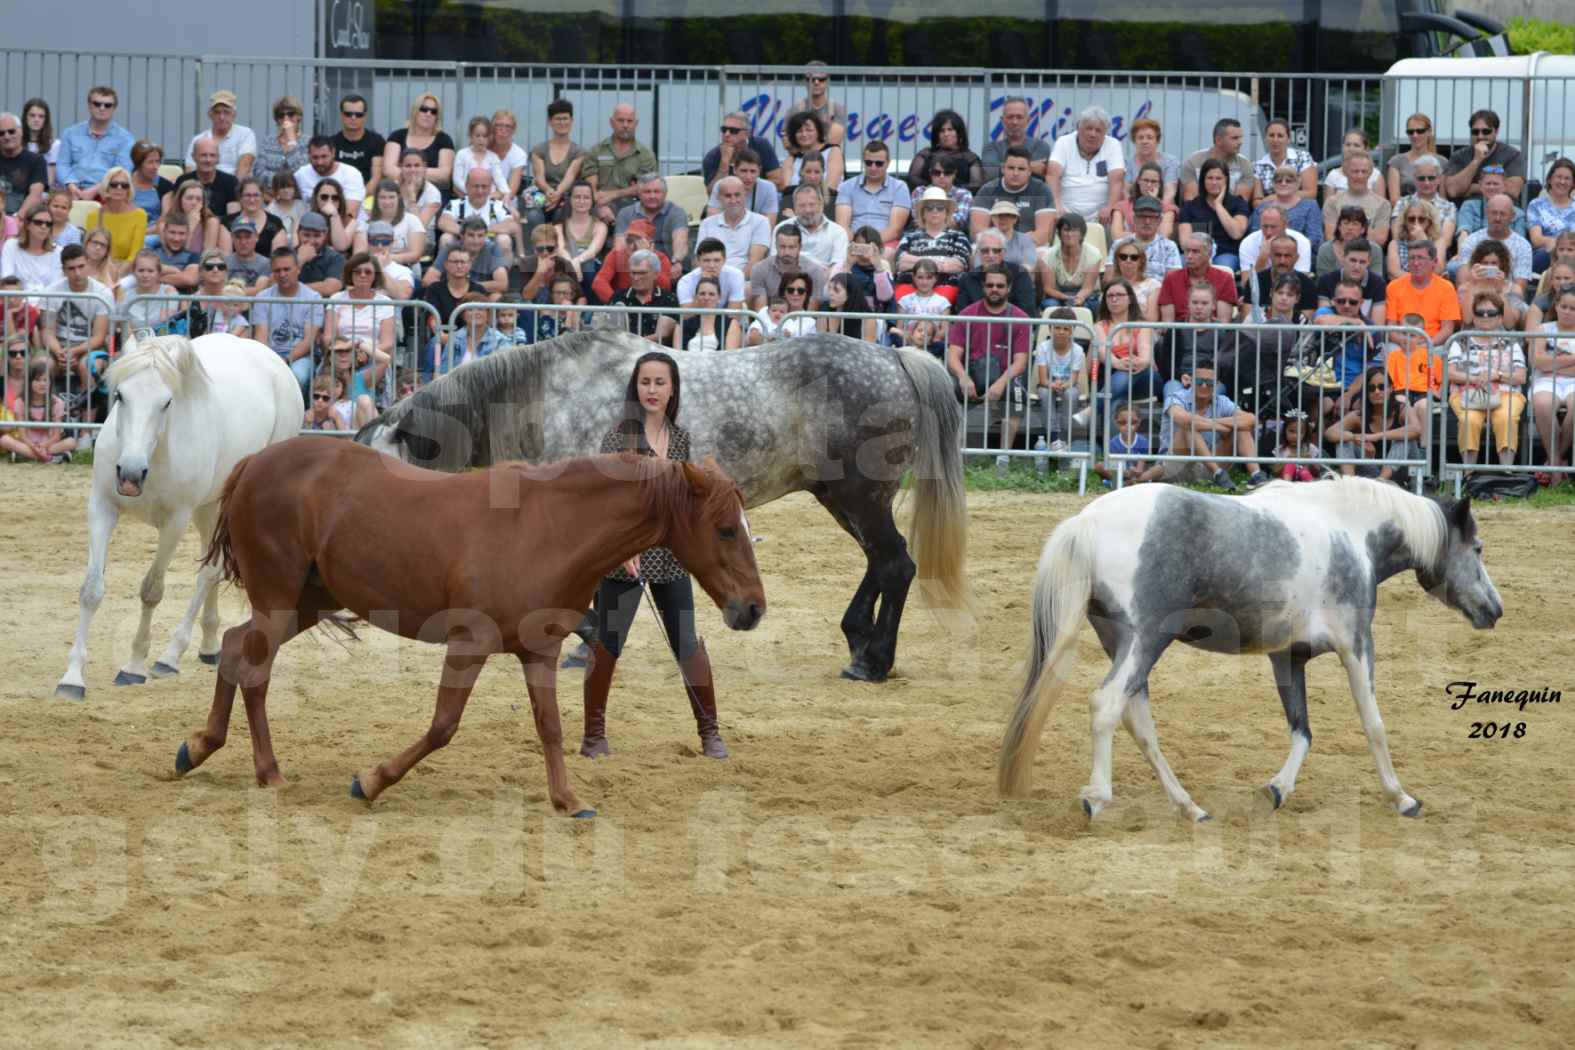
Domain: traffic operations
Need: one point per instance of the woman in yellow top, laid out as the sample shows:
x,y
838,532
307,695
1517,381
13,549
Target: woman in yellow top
x,y
126,223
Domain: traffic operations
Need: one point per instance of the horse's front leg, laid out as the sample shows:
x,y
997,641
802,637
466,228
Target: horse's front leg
x,y
102,516
541,680
205,596
1359,667
135,672
461,666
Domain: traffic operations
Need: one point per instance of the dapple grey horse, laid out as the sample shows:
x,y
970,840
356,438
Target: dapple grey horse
x,y
839,418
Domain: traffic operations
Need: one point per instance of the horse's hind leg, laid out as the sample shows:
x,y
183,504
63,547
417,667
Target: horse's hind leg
x,y
461,665
1359,672
135,672
1106,709
204,596
865,513
1290,678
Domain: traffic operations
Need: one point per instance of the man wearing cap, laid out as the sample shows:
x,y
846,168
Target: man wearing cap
x,y
818,100
321,268
746,234
322,163
1087,171
1161,254
246,265
720,159
823,240
1462,176
1014,132
398,279
237,143
613,277
616,162
487,267
478,203
1035,206
666,218
220,189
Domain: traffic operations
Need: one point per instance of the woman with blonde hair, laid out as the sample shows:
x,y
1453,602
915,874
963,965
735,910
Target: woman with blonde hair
x,y
285,149
424,133
1419,133
119,217
1419,222
514,160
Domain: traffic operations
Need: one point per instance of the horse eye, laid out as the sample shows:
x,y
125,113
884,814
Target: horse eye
x,y
728,533
167,405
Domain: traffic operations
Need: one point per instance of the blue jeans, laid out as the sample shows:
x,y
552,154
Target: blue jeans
x,y
1131,386
1230,260
301,368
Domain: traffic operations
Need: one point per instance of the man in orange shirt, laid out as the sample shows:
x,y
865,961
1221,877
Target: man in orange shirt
x,y
1424,293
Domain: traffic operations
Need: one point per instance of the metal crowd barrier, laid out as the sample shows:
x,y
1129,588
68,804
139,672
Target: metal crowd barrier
x,y
1281,365
585,317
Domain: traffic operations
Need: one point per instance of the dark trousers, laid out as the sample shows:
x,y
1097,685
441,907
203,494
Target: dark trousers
x,y
617,601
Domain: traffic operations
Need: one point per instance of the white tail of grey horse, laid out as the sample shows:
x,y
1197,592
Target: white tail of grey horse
x,y
1062,586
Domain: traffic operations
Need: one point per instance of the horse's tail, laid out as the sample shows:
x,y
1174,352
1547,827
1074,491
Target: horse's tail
x,y
220,550
1061,590
939,534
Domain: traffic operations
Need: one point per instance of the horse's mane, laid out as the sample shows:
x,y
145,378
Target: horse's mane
x,y
172,356
1420,521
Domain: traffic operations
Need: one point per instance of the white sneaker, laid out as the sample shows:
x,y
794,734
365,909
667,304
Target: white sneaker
x,y
1081,418
1058,445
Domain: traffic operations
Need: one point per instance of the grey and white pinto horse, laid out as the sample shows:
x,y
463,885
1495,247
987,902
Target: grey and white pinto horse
x,y
1290,570
839,418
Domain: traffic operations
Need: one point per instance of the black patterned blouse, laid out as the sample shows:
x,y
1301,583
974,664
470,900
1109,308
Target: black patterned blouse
x,y
657,565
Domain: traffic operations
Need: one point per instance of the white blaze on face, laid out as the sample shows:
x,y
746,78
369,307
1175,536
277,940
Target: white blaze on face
x,y
141,409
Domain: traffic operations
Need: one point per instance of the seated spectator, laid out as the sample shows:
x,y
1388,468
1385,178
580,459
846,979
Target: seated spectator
x,y
323,163
805,135
1014,132
564,292
845,298
1069,269
473,338
487,267
1199,420
530,199
1225,346
285,206
1471,215
145,280
613,277
1061,376
102,267
178,263
1020,248
936,239
1087,172
1125,356
711,259
582,236
386,205
1174,286
817,100
1486,376
1350,226
38,135
1378,426
76,328
1131,267
420,196
1219,215
1559,276
478,154
823,240
268,225
1425,175
237,144
398,279
357,315
289,328
446,296
203,229
812,175
867,267
721,160
42,404
1035,207
148,187
284,151
219,188
1355,143
1552,213
1279,153
1160,253
1149,183
1553,385
558,163
1401,170
1353,352
1422,292
876,198
1301,213
89,149
948,137
323,409
423,133
989,249
205,314
1500,211
321,266
760,196
1488,270
921,296
1273,223
24,176
644,292
356,144
788,257
1226,150
944,172
666,218
344,225
1279,265
1284,341
746,234
774,322
706,331
1462,178
505,322
1418,221
988,359
1416,373
64,231
1145,136
1360,195
498,223
18,316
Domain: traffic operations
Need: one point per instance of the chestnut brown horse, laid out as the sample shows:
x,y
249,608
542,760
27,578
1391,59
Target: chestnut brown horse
x,y
496,561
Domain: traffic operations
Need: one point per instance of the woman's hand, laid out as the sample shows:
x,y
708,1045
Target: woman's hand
x,y
632,566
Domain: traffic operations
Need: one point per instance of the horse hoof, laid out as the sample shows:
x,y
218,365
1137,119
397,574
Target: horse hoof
x,y
355,789
211,659
1414,811
594,748
1205,817
863,674
1088,810
127,678
183,763
163,670
70,692
583,814
1272,793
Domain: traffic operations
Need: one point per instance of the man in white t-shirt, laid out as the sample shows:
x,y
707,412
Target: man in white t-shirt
x,y
76,331
1272,222
746,234
1087,170
237,143
824,241
323,163
711,256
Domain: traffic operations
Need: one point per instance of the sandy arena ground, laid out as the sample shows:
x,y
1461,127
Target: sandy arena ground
x,y
848,879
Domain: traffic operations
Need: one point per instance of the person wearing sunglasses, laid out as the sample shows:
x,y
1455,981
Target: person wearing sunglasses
x,y
1426,179
126,224
876,197
322,163
356,144
89,149
1487,377
722,159
32,256
817,100
1462,178
423,133
1400,172
23,173
237,143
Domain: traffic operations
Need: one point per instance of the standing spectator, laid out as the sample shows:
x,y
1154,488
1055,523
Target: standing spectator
x,y
1425,176
818,100
269,226
1020,248
148,187
1226,150
746,234
1401,170
990,250
1500,212
285,150
1554,384
616,162
1175,286
711,261
1471,216
875,198
644,292
24,176
32,255
126,224
1069,268
1355,143
948,135
721,160
789,258
1035,207
1087,173
1145,137
424,133
666,218
805,135
613,277
355,144
1281,154
936,239
1216,213
1423,292
89,149
558,163
1356,267
289,329
1159,252
824,241
236,143
322,164
1461,178
38,134
1486,375
478,154
1548,216
1014,132
988,359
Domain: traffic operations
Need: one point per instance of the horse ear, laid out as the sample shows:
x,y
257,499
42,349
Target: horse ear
x,y
1460,513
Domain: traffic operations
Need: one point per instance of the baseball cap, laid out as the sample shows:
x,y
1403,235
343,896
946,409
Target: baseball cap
x,y
243,226
474,222
642,227
380,229
1146,203
1491,169
222,98
313,220
1004,208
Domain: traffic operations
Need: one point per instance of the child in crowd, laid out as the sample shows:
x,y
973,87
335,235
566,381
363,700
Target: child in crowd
x,y
286,205
925,335
42,404
19,315
1295,445
924,299
358,368
1128,439
1060,377
232,315
767,326
476,339
404,383
321,411
479,155
506,322
1414,369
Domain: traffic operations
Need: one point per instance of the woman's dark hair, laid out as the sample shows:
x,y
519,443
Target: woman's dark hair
x,y
947,163
868,235
1496,249
559,105
45,136
797,121
712,281
1213,164
940,120
1133,313
857,303
358,260
1352,213
633,423
789,276
333,184
1563,162
1393,407
374,213
1287,281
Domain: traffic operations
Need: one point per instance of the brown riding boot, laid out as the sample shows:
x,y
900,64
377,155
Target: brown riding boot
x,y
702,700
598,680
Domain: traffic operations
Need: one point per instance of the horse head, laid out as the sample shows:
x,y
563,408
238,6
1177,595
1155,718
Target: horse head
x,y
712,540
144,383
1458,578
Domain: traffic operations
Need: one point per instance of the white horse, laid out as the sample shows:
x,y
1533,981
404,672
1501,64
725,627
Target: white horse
x,y
182,414
1290,571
